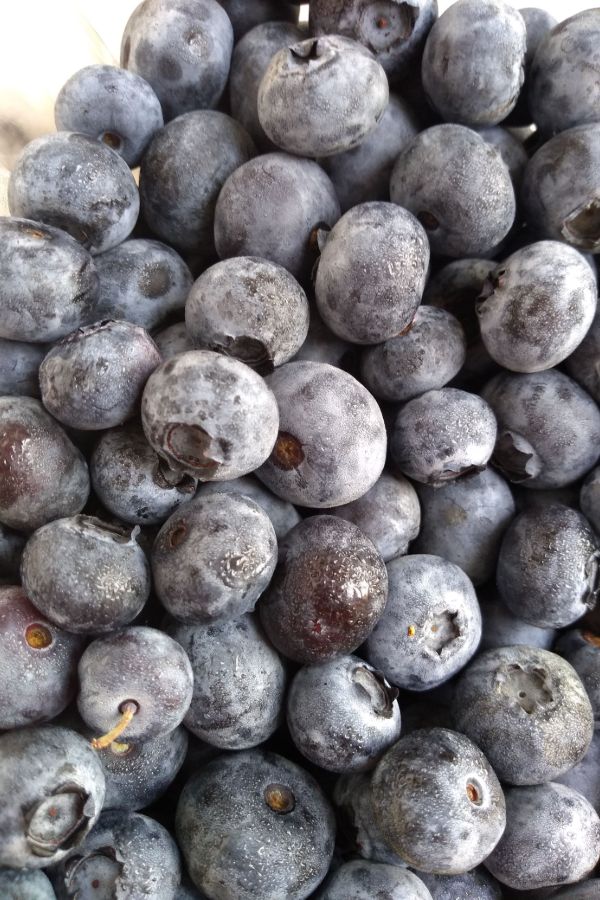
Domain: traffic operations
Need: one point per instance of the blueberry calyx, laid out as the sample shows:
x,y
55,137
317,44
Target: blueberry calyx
x,y
582,226
380,693
515,457
306,51
59,821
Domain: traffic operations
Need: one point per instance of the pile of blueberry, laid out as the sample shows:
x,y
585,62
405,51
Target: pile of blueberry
x,y
299,461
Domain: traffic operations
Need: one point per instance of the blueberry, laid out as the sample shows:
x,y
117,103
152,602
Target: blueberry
x,y
85,575
43,476
395,32
585,776
182,172
584,363
329,590
250,309
11,550
239,683
125,855
255,825
25,884
388,514
528,711
458,56
245,16
549,566
142,282
172,340
548,428
438,802
584,890
111,105
183,49
342,715
510,149
187,892
54,775
49,283
362,880
559,195
93,379
589,498
38,663
552,837
442,435
426,356
322,96
581,649
537,306
331,444
322,345
431,625
213,558
272,207
283,515
563,89
353,798
19,364
359,299
467,201
251,57
363,173
137,679
538,23
501,627
477,884
75,183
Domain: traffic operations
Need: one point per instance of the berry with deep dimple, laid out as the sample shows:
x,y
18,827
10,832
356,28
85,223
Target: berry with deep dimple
x,y
52,789
125,855
25,884
342,715
528,711
358,298
426,356
209,416
38,663
42,474
467,202
49,282
457,53
142,282
584,363
11,550
438,802
239,683
431,625
332,441
581,649
394,31
443,435
137,679
75,183
182,172
388,514
548,428
250,309
213,558
477,884
257,826
589,498
93,379
19,365
182,48
85,575
501,628
322,96
273,207
549,566
283,515
537,306
111,105
552,837
328,592
362,880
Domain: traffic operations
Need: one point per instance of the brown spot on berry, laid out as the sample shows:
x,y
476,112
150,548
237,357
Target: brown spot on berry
x,y
279,798
38,636
287,453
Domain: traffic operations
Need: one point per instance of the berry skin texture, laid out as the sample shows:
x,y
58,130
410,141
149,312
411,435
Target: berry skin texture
x,y
209,416
283,515
11,550
358,298
528,711
172,340
247,16
475,885
353,798
442,435
582,650
501,628
63,800
322,96
365,880
93,379
257,826
19,366
584,363
342,715
49,282
549,566
435,788
552,837
38,663
332,442
431,625
329,590
25,884
86,576
589,498
43,476
72,182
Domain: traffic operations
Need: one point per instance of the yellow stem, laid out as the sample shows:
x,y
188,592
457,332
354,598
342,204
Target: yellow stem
x,y
129,711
